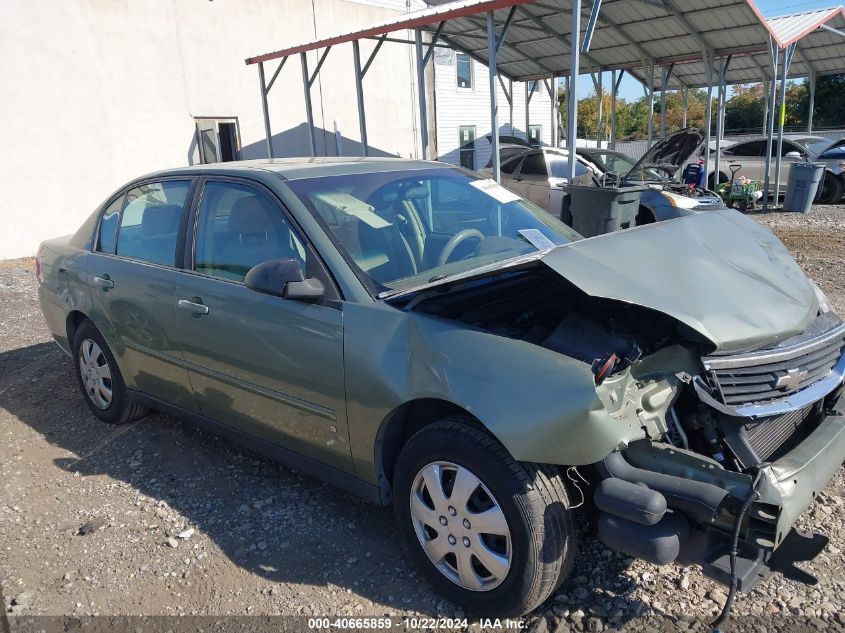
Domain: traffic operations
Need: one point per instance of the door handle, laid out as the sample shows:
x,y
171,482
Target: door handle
x,y
192,306
103,282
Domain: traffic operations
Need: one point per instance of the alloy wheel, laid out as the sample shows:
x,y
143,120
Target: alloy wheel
x,y
461,526
96,375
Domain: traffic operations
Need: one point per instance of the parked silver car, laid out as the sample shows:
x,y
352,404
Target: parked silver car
x,y
540,175
751,154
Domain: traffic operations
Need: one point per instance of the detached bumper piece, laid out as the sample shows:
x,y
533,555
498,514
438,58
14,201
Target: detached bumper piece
x,y
664,504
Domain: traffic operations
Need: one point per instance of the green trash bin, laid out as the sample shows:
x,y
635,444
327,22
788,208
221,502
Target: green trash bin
x,y
599,210
804,179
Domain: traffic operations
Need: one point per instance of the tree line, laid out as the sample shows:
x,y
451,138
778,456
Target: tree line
x,y
744,110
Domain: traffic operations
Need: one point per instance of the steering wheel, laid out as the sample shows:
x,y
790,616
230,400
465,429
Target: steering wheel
x,y
456,239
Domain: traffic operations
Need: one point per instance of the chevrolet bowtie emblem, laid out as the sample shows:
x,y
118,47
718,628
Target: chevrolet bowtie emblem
x,y
791,379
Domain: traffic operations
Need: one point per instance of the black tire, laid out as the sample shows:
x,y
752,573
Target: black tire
x,y
532,498
644,216
830,189
120,409
711,184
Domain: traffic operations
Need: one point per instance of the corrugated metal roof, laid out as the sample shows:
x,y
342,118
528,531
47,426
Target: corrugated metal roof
x,y
790,28
629,35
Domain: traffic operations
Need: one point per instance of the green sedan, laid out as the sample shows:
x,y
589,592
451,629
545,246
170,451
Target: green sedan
x,y
422,337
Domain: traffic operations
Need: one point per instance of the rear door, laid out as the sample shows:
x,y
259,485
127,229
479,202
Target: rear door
x,y
269,367
132,277
534,176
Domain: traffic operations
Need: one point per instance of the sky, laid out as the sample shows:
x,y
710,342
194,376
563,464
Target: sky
x,y
630,89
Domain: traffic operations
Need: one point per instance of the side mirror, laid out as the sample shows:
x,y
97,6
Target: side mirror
x,y
796,155
284,278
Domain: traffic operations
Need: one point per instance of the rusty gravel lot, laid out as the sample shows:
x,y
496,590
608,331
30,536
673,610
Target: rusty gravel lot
x,y
158,518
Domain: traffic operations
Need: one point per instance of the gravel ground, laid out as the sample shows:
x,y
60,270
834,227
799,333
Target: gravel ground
x,y
158,518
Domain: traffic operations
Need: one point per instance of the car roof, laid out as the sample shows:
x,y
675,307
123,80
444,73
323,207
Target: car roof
x,y
296,168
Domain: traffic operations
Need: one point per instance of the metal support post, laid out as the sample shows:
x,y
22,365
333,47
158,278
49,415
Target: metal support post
x,y
720,120
766,106
650,102
309,114
786,61
708,117
422,94
510,104
554,113
812,105
665,76
265,110
773,60
494,103
572,101
614,90
599,108
359,92
685,107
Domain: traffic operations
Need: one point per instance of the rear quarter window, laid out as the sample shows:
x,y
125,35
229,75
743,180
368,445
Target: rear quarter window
x,y
107,234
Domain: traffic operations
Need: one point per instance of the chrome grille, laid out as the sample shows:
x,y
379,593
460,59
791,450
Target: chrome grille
x,y
777,373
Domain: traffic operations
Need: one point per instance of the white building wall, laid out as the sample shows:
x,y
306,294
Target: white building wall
x,y
456,107
96,93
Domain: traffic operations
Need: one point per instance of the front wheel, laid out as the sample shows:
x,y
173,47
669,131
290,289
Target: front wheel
x,y
830,189
491,534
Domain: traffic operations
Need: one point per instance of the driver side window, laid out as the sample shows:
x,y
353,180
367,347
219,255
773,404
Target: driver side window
x,y
238,227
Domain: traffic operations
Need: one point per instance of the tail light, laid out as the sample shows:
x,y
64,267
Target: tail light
x,y
38,264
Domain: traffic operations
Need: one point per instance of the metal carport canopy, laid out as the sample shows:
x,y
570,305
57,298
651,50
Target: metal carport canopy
x,y
628,35
819,49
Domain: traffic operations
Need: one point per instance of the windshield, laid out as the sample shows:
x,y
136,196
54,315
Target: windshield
x,y
400,229
816,146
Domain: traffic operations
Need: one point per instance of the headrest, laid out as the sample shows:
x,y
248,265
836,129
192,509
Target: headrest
x,y
411,193
160,219
250,215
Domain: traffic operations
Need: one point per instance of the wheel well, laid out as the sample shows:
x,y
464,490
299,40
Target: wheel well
x,y
644,216
74,318
399,425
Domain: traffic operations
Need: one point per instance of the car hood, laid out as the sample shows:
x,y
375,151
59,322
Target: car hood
x,y
670,153
720,273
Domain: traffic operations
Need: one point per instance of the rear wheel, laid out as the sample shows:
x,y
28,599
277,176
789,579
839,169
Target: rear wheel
x,y
830,189
491,534
711,181
100,379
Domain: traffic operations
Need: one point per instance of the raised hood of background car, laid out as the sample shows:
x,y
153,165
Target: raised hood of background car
x,y
670,153
720,273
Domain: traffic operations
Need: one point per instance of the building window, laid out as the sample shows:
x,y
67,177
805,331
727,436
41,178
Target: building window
x,y
535,135
218,140
466,136
464,65
532,86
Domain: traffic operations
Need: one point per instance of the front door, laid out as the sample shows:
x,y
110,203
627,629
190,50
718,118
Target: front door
x,y
132,276
267,366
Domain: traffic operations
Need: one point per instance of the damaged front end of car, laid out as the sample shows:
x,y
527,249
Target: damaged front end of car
x,y
717,362
762,432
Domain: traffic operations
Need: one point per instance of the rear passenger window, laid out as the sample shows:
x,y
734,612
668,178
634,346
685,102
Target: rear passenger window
x,y
107,237
239,227
150,221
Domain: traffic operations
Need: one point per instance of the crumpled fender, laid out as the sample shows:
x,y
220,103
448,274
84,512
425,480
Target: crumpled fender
x,y
541,405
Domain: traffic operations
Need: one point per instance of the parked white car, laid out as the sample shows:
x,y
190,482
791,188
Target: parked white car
x,y
751,155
